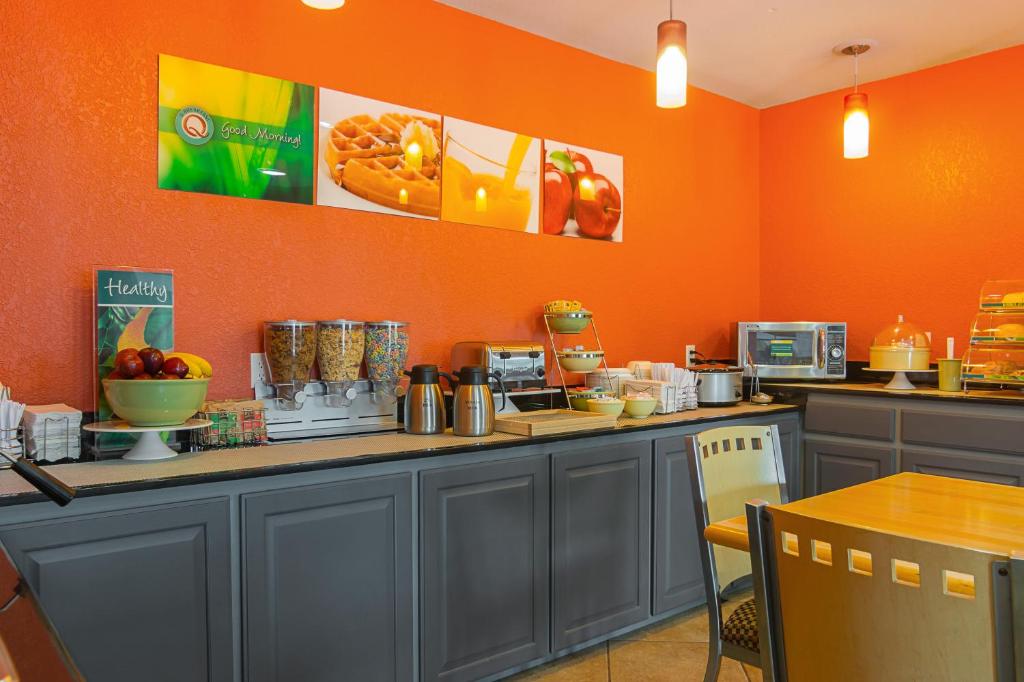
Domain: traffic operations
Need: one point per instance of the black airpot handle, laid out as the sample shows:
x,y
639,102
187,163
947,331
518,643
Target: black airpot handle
x,y
501,385
59,492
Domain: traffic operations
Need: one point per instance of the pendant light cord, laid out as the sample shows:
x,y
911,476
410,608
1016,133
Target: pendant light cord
x,y
856,74
670,10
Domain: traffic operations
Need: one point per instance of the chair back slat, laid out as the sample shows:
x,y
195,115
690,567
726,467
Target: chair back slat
x,y
860,604
738,463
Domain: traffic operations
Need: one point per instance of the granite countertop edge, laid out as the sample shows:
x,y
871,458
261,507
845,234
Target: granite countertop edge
x,y
11,495
979,396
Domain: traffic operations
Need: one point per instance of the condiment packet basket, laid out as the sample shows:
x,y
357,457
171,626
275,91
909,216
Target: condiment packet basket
x,y
663,391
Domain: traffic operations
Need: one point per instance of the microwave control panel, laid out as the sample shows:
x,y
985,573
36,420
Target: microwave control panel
x,y
835,350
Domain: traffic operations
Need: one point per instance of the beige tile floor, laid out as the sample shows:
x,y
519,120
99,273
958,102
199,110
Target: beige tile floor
x,y
675,650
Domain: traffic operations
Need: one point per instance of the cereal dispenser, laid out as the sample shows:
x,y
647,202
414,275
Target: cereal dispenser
x,y
339,355
290,348
387,347
340,402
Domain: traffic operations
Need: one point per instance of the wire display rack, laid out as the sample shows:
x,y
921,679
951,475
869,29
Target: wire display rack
x,y
590,324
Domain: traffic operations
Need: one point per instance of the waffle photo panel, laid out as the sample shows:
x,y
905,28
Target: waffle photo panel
x,y
491,177
377,156
582,192
234,133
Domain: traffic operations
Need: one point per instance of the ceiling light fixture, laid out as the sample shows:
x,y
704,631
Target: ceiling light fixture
x,y
856,122
324,4
671,62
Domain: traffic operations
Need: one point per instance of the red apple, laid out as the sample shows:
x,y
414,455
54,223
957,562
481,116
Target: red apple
x,y
128,363
557,199
169,376
175,366
581,162
143,377
115,376
152,358
598,217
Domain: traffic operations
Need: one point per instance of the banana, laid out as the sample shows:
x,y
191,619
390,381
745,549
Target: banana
x,y
198,368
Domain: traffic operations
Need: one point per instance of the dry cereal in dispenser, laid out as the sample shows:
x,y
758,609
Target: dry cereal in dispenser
x,y
340,349
290,346
387,347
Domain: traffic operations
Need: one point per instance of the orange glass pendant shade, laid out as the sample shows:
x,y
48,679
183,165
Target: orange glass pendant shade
x,y
671,64
856,126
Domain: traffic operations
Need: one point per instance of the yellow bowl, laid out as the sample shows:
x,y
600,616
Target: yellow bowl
x,y
580,360
611,406
569,322
638,408
155,402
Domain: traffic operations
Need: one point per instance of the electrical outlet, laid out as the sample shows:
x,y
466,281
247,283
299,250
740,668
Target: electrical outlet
x,y
691,355
257,374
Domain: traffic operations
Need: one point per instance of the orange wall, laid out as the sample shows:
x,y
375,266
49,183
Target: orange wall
x,y
78,189
915,228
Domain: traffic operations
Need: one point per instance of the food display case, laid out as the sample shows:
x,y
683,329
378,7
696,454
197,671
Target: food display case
x,y
1003,294
995,354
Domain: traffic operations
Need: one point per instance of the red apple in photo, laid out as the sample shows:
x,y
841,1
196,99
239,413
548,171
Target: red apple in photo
x,y
557,199
582,163
598,217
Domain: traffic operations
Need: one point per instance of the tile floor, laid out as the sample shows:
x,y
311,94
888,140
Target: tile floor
x,y
674,651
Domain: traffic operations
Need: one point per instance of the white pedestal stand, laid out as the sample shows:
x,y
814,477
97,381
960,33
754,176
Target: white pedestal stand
x,y
899,381
149,446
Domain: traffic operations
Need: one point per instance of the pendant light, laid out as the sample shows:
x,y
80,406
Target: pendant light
x,y
671,62
324,4
856,122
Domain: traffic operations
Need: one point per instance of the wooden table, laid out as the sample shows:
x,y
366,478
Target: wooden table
x,y
982,516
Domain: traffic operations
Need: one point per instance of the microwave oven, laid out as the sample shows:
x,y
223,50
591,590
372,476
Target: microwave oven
x,y
793,350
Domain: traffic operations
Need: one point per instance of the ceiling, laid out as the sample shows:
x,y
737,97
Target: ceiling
x,y
766,52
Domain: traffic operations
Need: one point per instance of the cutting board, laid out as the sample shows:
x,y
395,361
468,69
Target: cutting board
x,y
546,422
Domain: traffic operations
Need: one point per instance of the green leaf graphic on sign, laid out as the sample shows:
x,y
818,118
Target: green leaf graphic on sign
x,y
159,331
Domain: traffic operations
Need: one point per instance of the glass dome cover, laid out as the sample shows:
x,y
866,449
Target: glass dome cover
x,y
901,335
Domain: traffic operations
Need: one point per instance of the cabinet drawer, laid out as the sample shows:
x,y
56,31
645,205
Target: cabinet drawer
x,y
968,431
847,418
1007,470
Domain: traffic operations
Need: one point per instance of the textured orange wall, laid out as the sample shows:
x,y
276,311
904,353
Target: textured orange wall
x,y
919,225
78,91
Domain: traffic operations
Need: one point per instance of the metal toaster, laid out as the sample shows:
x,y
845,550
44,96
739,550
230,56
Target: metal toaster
x,y
520,364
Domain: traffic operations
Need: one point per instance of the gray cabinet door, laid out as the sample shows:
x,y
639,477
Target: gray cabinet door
x,y
1008,470
678,576
328,582
142,594
832,465
601,537
484,549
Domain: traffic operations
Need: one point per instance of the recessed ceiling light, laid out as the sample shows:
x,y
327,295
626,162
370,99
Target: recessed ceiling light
x,y
324,4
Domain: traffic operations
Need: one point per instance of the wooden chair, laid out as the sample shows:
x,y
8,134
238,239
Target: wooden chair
x,y
849,603
30,649
728,467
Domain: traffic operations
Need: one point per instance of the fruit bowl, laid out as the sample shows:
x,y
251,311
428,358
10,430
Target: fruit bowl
x,y
639,407
612,406
154,402
569,322
580,360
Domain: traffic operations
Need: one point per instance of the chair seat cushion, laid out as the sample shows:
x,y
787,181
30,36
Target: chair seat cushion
x,y
741,627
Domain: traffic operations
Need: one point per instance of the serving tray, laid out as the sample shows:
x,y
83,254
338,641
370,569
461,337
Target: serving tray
x,y
546,422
